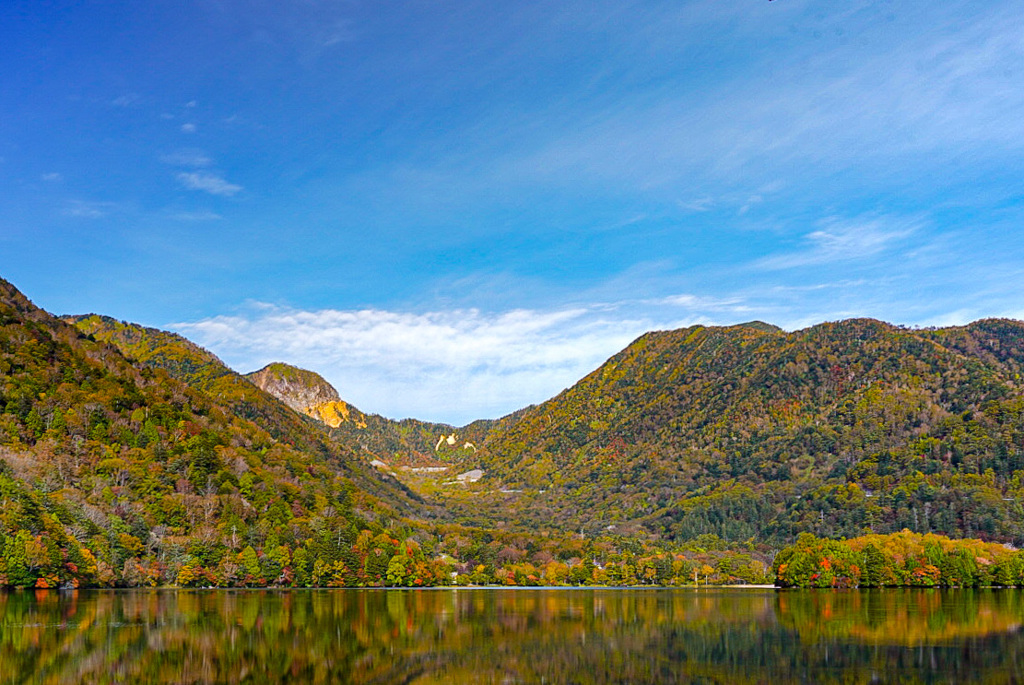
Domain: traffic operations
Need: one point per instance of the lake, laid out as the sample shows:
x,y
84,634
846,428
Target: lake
x,y
588,635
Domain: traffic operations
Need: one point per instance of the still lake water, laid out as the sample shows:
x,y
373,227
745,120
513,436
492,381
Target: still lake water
x,y
585,635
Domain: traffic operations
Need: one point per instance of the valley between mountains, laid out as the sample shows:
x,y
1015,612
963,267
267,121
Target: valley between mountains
x,y
131,456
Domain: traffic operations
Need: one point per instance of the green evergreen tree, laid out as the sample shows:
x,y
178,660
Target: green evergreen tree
x,y
873,573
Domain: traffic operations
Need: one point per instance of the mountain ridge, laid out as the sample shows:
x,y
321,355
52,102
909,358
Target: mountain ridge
x,y
716,438
683,429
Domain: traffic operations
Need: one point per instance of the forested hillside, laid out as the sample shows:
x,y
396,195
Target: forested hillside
x,y
406,441
253,395
113,473
129,456
902,559
749,432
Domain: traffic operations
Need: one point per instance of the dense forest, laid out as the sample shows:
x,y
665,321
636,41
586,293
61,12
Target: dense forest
x,y
150,463
748,432
130,456
898,560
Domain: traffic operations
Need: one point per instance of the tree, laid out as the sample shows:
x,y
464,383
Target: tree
x,y
250,564
873,573
398,570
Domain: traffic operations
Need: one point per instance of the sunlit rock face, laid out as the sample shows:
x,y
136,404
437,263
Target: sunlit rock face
x,y
306,392
336,413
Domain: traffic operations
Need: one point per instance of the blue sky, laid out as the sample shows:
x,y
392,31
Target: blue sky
x,y
453,209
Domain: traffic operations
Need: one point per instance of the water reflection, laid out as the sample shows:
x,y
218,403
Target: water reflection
x,y
512,636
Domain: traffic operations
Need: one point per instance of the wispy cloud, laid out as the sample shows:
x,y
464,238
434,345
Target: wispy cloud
x,y
188,128
127,100
831,104
702,204
52,177
840,240
699,303
187,157
89,210
208,183
196,216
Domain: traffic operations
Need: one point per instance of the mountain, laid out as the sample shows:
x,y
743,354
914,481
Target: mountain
x,y
116,471
304,391
283,393
743,432
406,442
198,368
129,455
749,432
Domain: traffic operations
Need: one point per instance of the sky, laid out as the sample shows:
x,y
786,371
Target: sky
x,y
452,209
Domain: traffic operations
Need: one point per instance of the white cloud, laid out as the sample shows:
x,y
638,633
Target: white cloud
x,y
459,365
52,177
751,201
702,204
840,240
703,304
208,183
188,128
454,366
959,317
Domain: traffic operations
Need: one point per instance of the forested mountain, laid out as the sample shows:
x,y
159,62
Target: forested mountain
x,y
118,472
129,455
745,432
749,432
273,409
266,395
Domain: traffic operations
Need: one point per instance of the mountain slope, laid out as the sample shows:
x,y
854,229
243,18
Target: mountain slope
x,y
272,410
747,431
117,473
198,368
743,432
276,395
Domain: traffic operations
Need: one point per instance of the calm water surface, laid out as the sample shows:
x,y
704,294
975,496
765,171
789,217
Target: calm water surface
x,y
513,636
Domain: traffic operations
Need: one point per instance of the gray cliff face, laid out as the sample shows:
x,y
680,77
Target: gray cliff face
x,y
298,388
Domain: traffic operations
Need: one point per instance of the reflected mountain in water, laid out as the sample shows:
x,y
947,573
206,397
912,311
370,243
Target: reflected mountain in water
x,y
512,636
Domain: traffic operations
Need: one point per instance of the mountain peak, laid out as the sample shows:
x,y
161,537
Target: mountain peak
x,y
307,392
298,388
759,326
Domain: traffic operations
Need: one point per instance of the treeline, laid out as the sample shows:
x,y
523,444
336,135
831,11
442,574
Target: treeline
x,y
47,543
903,559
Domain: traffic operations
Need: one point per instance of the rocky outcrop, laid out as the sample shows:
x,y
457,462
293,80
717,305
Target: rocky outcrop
x,y
306,392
